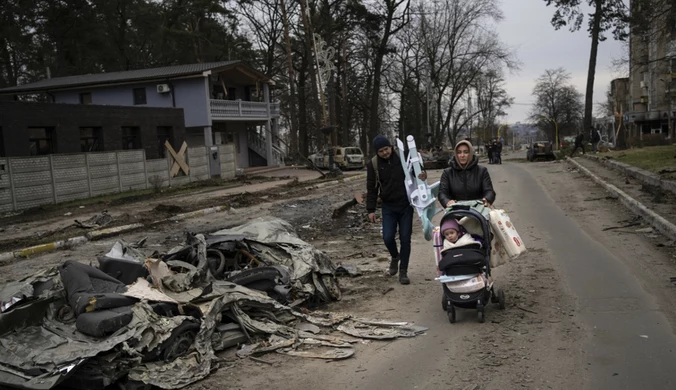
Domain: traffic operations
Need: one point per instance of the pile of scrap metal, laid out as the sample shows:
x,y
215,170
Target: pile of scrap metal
x,y
142,322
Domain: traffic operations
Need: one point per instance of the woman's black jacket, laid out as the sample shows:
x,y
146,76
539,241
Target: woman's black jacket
x,y
471,183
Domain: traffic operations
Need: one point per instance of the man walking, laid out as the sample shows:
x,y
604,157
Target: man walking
x,y
385,178
498,152
491,151
595,139
579,143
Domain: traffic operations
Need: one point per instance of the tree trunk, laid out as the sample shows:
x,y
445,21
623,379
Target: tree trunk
x,y
402,112
374,120
364,141
309,39
293,132
303,141
591,73
344,101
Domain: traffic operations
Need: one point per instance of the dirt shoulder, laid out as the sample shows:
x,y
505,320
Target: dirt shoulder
x,y
57,222
655,198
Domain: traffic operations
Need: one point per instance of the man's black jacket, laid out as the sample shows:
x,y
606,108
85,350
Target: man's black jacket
x,y
391,188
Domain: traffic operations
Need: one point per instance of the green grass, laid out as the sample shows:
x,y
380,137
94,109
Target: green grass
x,y
652,158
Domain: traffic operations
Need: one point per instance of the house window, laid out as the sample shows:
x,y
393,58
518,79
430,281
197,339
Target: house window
x,y
139,96
163,135
91,139
673,65
41,140
86,98
131,138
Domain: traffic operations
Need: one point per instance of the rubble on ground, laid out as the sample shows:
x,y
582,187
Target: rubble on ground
x,y
160,320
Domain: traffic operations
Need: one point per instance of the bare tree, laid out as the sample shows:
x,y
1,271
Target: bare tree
x,y
608,15
459,47
395,15
492,100
557,102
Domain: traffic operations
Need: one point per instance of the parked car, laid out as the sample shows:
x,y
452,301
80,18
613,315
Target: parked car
x,y
350,157
540,149
567,141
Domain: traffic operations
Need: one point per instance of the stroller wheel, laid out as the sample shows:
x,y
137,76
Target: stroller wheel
x,y
481,315
501,300
494,295
444,302
451,314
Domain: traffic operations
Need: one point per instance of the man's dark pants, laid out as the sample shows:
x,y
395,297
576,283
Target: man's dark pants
x,y
398,216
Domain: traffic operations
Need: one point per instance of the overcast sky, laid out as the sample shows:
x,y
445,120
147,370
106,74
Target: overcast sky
x,y
527,29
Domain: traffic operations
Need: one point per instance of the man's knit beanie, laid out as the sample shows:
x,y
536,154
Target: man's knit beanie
x,y
380,141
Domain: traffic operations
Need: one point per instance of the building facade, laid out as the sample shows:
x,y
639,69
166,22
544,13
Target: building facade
x,y
33,129
222,102
651,107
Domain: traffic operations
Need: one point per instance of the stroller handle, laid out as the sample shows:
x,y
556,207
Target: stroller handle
x,y
465,204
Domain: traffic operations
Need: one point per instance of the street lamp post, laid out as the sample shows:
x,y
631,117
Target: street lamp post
x,y
500,128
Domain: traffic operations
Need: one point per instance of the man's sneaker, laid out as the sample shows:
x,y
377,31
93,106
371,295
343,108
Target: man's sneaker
x,y
394,266
403,277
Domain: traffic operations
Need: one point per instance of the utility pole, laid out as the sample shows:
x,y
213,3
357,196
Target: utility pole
x,y
428,109
469,110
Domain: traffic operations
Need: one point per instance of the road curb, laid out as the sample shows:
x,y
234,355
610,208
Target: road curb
x,y
336,182
21,254
658,222
198,213
635,172
99,234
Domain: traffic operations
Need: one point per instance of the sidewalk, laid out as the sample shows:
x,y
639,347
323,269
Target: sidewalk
x,y
22,234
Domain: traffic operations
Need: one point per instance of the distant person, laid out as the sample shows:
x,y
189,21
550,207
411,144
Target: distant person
x,y
385,179
498,152
595,139
490,150
579,144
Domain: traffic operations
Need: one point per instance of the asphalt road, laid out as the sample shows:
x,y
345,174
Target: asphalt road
x,y
632,344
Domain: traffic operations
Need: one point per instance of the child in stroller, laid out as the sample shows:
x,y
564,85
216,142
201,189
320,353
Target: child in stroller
x,y
464,263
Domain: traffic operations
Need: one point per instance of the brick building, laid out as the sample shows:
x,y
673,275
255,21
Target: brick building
x,y
30,129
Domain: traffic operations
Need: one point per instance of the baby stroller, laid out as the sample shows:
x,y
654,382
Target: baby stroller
x,y
465,272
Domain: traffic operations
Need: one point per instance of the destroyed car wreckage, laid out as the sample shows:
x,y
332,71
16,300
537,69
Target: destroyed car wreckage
x,y
159,321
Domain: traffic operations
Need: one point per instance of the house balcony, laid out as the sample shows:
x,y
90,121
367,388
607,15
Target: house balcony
x,y
242,110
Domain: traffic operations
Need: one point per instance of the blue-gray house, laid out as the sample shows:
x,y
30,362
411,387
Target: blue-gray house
x,y
223,102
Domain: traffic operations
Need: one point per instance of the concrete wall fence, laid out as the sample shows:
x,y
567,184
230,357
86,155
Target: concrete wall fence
x,y
27,182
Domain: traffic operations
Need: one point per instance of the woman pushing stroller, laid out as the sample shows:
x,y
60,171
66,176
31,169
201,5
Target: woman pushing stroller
x,y
464,259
